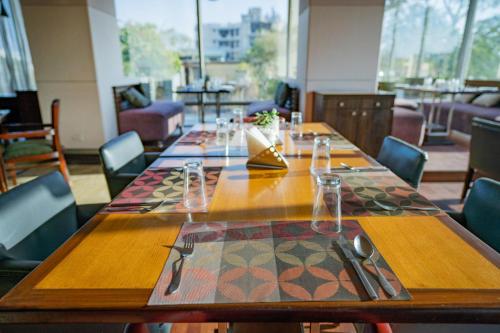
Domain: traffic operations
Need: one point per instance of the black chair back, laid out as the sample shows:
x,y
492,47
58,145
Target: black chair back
x,y
404,159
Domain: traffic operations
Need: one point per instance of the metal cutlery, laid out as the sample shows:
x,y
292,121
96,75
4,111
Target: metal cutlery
x,y
364,248
142,207
344,246
184,252
393,208
347,167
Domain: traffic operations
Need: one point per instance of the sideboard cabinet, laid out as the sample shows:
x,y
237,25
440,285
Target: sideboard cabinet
x,y
364,119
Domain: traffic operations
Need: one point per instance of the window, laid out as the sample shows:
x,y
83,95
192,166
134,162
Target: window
x,y
245,48
421,38
158,42
485,56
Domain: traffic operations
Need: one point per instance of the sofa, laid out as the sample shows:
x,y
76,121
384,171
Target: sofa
x,y
463,114
154,122
286,100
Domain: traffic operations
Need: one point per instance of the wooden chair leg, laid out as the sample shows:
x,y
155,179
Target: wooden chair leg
x,y
63,167
11,169
468,178
3,177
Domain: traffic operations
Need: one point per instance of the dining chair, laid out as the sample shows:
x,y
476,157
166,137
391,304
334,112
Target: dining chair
x,y
481,212
484,151
404,159
123,159
26,149
35,219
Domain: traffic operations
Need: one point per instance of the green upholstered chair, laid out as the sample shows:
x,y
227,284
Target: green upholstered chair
x,y
404,159
35,219
26,149
481,213
123,159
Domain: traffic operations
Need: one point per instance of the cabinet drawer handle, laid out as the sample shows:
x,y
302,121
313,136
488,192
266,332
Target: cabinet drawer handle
x,y
354,113
364,114
341,104
377,104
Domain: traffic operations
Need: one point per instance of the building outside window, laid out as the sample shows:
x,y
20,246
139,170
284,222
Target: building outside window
x,y
246,48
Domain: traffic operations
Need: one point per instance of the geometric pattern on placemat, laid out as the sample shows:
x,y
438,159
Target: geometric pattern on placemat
x,y
360,189
282,261
195,137
159,184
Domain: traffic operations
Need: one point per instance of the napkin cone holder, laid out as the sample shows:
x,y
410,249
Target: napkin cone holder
x,y
263,154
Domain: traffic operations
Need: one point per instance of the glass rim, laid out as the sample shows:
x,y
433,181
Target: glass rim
x,y
329,178
322,139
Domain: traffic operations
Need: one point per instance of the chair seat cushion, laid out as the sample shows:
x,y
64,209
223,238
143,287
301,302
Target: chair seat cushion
x,y
152,122
27,148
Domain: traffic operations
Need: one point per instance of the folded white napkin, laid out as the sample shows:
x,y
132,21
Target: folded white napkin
x,y
261,153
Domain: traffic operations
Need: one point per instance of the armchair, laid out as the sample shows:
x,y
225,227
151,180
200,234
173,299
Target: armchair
x,y
123,159
45,215
30,148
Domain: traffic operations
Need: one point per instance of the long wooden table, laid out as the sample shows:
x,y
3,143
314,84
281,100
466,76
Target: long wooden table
x,y
107,271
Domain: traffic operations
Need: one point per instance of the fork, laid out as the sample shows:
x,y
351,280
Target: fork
x,y
184,252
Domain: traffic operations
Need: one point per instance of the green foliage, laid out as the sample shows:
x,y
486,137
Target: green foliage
x,y
485,58
144,54
266,118
262,60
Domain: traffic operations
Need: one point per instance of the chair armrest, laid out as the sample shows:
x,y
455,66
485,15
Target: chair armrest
x,y
26,134
151,157
86,212
458,216
12,271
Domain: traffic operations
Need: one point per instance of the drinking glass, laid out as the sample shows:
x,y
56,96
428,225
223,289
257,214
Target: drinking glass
x,y
327,214
238,119
222,133
295,122
320,162
194,185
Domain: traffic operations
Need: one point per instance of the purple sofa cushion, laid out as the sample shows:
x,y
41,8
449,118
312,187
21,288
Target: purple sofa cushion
x,y
407,125
463,114
151,122
260,106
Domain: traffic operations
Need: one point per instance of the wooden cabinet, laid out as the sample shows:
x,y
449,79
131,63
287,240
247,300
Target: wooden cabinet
x,y
364,119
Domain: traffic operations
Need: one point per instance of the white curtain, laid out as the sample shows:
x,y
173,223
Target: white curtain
x,y
16,67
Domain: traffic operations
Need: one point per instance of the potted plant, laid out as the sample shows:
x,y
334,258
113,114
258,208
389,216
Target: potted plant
x,y
268,123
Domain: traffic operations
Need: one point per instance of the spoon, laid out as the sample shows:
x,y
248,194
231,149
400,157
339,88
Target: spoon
x,y
365,249
392,208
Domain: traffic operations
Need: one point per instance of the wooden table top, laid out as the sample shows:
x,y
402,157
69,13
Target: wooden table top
x,y
107,271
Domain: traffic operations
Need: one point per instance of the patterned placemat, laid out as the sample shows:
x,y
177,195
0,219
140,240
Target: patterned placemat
x,y
268,262
359,190
197,137
336,139
159,185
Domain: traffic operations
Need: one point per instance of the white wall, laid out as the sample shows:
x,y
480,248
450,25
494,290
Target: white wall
x,y
342,39
76,56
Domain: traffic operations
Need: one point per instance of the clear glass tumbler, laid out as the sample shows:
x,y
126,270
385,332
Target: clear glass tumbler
x,y
327,213
222,134
296,123
320,162
195,196
238,119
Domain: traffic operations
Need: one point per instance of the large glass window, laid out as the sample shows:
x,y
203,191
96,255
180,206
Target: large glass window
x,y
244,49
158,39
485,56
421,38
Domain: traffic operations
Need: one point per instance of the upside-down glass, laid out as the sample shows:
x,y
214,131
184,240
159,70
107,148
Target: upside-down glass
x,y
238,119
296,122
320,162
327,214
222,134
194,185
